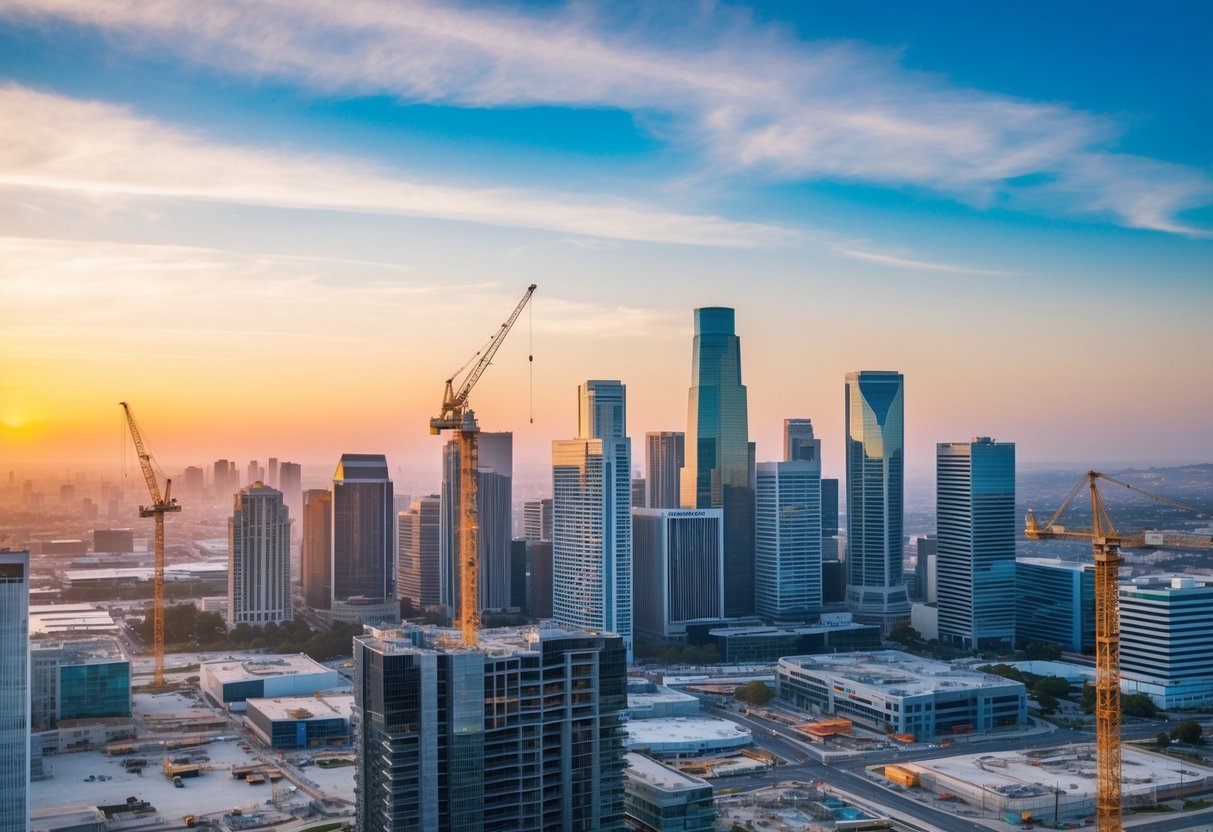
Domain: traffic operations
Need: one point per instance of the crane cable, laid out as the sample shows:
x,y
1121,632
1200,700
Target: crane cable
x,y
530,358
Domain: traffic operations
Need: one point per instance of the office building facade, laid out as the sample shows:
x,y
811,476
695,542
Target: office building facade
x,y
14,691
787,542
664,799
1055,603
290,483
259,558
522,734
875,464
592,516
664,458
799,443
537,519
316,548
1166,639
678,569
419,570
494,514
975,510
364,541
719,470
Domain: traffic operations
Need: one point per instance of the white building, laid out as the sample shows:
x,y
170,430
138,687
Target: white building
x,y
14,691
678,566
1166,639
592,516
787,541
229,682
902,694
259,558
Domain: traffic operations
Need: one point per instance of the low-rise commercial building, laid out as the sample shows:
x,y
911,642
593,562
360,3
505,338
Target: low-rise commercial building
x,y
1166,639
899,693
79,679
230,682
658,798
834,632
300,721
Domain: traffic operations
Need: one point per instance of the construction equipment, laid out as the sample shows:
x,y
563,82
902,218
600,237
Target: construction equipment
x,y
159,506
458,417
1106,544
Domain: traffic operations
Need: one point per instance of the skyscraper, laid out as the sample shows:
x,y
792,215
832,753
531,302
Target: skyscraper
x,y
787,543
364,541
419,574
524,734
592,516
665,456
875,441
290,483
271,472
14,691
799,442
719,470
494,514
975,565
678,569
316,550
537,519
259,558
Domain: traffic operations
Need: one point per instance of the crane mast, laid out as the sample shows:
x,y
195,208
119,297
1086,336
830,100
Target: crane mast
x,y
159,506
458,417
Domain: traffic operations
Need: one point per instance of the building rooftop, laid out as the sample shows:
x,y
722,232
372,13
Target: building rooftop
x,y
640,767
644,733
305,707
896,673
1167,582
496,641
47,619
1058,563
83,650
174,572
261,667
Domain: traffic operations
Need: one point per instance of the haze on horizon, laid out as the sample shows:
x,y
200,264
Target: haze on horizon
x,y
276,231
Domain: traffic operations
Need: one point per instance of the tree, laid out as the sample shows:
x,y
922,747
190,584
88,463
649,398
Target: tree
x,y
905,635
1052,685
1042,651
1088,698
1138,704
1048,703
755,693
1188,731
1162,740
1005,671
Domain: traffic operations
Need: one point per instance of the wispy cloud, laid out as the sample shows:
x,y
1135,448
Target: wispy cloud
x,y
903,262
97,149
750,96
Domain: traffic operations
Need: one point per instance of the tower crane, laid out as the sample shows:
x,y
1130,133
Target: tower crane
x,y
458,417
160,505
1106,544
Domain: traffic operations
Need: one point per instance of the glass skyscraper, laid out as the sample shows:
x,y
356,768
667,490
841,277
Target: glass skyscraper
x,y
259,558
975,562
719,470
665,456
875,443
364,541
592,516
14,691
787,543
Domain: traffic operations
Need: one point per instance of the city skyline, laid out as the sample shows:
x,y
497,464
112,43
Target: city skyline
x,y
867,191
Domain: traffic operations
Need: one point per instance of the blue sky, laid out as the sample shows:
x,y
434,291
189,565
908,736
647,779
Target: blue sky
x,y
962,191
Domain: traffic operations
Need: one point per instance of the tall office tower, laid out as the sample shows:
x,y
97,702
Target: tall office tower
x,y
927,568
799,443
316,550
402,502
220,480
664,458
364,541
539,553
290,483
271,472
537,519
787,540
829,518
259,558
678,569
1166,639
1055,604
14,691
592,516
419,573
523,734
975,507
519,569
255,472
494,514
638,492
719,470
875,442
192,481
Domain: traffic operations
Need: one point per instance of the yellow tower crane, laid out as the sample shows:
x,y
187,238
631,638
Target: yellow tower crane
x,y
1106,544
458,417
159,506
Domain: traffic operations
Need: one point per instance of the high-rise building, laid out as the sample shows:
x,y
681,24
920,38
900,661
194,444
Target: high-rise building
x,y
255,472
829,517
316,549
664,458
494,515
678,569
799,443
719,470
975,507
364,541
259,558
419,573
1055,603
787,542
221,480
638,491
14,691
271,472
522,734
539,555
592,516
290,483
537,519
192,481
1166,639
519,569
926,568
875,442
